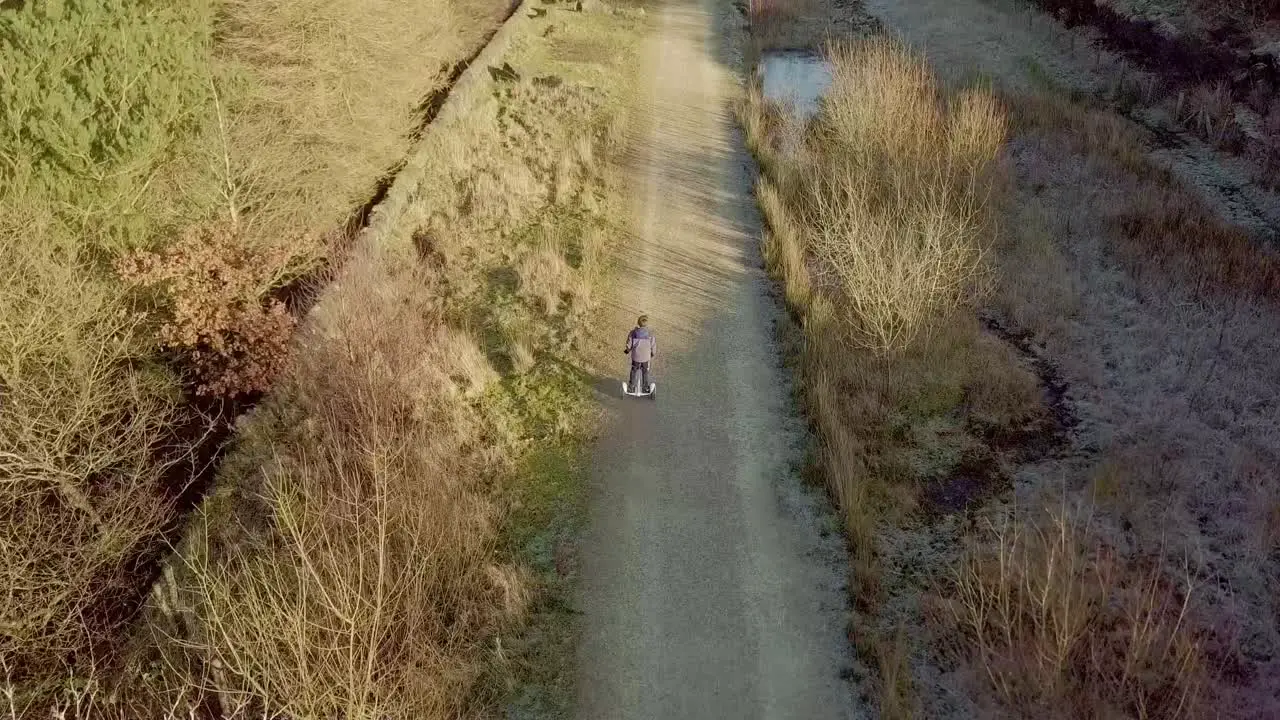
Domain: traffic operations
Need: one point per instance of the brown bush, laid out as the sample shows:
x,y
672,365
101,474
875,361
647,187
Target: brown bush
x,y
787,24
1239,10
766,14
1210,113
210,298
1165,231
1184,239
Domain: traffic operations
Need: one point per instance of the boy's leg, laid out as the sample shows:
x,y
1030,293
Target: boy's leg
x,y
644,370
635,376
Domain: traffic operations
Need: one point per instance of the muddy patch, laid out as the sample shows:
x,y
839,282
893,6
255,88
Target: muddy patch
x,y
983,471
978,476
1046,436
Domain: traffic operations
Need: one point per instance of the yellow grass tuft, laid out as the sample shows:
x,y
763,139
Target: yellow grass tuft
x,y
784,248
544,275
896,696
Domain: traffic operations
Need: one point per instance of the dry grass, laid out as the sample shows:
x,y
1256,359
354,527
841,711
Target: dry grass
x,y
353,562
1132,579
891,359
1249,11
1089,132
1188,242
127,125
786,24
1037,290
1165,232
544,276
897,700
1201,291
784,249
859,163
1055,621
1065,627
308,131
79,430
1210,113
376,538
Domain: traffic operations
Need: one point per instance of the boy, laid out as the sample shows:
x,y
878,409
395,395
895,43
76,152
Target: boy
x,y
642,347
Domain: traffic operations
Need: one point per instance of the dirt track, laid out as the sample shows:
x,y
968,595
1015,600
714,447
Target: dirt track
x,y
712,583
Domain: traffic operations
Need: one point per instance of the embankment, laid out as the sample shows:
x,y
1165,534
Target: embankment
x,y
138,130
403,492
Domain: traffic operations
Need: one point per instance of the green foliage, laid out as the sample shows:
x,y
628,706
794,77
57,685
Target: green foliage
x,y
95,95
545,403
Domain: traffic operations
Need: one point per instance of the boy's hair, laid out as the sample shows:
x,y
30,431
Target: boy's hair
x,y
642,320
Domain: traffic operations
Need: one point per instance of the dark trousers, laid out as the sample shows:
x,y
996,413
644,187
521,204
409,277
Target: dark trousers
x,y
639,370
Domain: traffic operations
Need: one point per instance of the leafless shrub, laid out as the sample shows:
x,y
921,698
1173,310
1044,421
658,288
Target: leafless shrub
x,y
81,418
898,209
1064,626
370,584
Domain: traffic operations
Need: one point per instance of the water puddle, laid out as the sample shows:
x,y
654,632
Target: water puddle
x,y
795,78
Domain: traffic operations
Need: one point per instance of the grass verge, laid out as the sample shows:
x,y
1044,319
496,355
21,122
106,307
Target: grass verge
x,y
890,379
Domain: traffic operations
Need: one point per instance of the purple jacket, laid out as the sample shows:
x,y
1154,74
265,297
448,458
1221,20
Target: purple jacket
x,y
642,345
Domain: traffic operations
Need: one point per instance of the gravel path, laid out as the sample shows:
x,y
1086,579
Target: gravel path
x,y
712,582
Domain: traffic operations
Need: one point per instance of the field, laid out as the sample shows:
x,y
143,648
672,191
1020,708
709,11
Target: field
x,y
163,233
1036,359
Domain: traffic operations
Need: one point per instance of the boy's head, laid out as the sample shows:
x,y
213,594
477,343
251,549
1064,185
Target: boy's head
x,y
642,320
